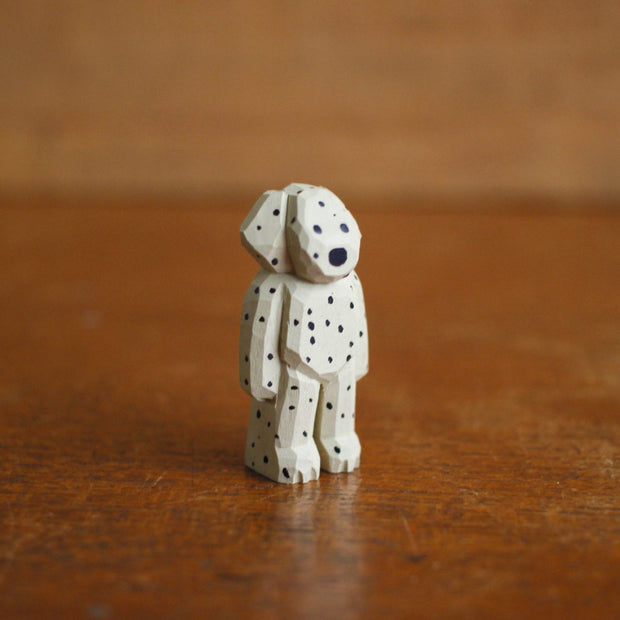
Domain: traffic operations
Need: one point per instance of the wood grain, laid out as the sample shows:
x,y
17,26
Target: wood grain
x,y
387,99
489,423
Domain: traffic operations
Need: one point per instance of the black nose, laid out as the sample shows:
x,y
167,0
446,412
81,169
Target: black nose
x,y
338,256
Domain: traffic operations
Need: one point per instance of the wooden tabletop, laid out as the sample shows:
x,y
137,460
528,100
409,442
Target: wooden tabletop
x,y
489,421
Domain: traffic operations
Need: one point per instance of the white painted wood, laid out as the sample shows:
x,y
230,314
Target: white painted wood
x,y
296,188
323,238
259,343
263,232
304,342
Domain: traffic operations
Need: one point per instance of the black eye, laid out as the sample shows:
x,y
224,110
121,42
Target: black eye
x,y
344,228
317,229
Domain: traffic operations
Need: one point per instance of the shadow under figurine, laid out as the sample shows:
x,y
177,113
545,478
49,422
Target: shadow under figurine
x,y
303,342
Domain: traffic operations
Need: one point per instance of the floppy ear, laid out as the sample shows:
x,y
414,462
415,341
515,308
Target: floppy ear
x,y
263,232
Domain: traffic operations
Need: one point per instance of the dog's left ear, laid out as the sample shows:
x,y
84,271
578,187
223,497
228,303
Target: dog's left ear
x,y
263,232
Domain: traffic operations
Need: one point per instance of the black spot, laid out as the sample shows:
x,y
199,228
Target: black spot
x,y
351,305
258,413
274,261
310,325
269,383
294,387
246,358
308,360
246,316
361,334
340,329
285,473
327,322
246,382
276,436
291,407
261,319
329,405
293,220
299,191
342,415
270,356
272,290
266,460
348,387
259,228
305,433
315,255
253,444
330,300
295,322
253,463
257,289
321,203
268,424
348,358
276,211
350,344
309,400
337,257
344,228
317,229
312,340
309,310
336,450
330,359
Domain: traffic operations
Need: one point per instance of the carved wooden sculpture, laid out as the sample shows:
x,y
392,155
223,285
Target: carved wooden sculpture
x,y
303,343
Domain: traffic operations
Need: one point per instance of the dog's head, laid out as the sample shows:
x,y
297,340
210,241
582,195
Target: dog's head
x,y
303,229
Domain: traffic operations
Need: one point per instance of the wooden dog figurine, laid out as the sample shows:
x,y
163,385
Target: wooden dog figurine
x,y
304,342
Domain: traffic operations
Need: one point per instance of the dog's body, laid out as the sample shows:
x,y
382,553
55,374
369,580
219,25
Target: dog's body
x,y
304,340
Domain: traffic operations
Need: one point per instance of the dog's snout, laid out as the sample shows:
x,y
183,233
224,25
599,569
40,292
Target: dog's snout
x,y
338,256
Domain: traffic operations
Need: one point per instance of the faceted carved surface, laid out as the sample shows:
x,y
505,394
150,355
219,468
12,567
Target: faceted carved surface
x,y
279,442
296,188
259,342
263,232
323,237
325,327
303,342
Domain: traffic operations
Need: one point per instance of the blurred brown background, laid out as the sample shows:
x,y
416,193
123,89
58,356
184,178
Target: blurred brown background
x,y
396,99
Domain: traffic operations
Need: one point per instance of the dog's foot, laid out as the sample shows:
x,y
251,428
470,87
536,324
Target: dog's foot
x,y
340,453
288,465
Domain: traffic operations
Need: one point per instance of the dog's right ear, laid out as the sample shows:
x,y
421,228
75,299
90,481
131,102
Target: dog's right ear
x,y
263,232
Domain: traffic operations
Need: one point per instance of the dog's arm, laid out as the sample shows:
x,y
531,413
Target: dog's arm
x,y
261,316
361,332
